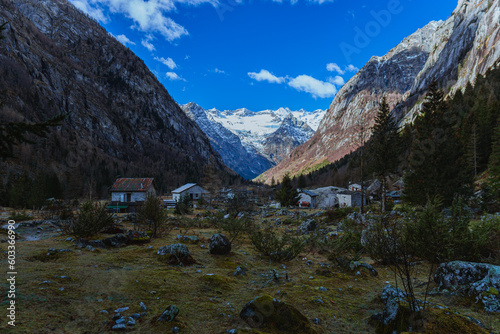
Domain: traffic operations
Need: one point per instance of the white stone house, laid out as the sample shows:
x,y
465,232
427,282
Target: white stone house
x,y
351,199
307,196
132,190
191,190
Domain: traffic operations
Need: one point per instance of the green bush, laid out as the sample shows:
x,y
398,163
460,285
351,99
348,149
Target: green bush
x,y
183,207
235,228
278,249
336,214
91,219
151,216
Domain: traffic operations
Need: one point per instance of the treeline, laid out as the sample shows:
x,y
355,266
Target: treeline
x,y
449,145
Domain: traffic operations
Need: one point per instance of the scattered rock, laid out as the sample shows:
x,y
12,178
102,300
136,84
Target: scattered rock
x,y
119,327
307,227
219,244
355,265
121,309
175,329
240,271
192,239
177,254
143,306
169,314
266,311
138,237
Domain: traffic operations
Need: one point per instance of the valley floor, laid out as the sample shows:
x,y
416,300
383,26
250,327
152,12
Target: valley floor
x,y
77,291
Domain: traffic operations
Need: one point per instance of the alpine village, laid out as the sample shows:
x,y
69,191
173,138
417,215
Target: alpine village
x,y
124,211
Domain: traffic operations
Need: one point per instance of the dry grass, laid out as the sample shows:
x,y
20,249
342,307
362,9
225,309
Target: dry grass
x,y
113,278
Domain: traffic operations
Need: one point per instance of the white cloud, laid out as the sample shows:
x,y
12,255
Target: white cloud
x,y
167,62
351,68
147,44
124,40
315,87
265,75
173,76
337,81
219,71
95,12
333,67
148,16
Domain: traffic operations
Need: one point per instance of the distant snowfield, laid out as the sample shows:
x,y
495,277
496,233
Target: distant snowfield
x,y
254,127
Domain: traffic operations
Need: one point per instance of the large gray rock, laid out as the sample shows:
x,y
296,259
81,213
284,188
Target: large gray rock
x,y
219,244
479,279
176,254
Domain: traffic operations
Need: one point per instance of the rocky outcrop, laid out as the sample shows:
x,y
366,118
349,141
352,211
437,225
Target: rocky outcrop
x,y
452,52
291,133
55,59
219,244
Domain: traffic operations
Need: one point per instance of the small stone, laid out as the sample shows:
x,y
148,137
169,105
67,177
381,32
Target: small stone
x,y
322,288
104,311
122,309
232,331
136,315
69,239
316,321
169,314
309,262
240,271
143,306
131,321
119,327
122,320
175,329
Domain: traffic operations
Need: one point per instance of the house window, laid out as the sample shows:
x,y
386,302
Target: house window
x,y
196,195
129,197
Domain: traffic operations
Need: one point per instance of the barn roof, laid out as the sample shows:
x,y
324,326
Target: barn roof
x,y
132,184
184,188
310,193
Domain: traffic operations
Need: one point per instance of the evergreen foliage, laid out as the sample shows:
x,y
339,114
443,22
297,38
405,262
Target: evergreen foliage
x,y
92,219
437,165
152,215
287,195
383,147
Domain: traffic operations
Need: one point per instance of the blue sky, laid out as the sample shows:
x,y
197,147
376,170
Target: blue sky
x,y
260,54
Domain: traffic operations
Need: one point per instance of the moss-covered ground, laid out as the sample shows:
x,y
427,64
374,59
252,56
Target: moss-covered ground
x,y
66,292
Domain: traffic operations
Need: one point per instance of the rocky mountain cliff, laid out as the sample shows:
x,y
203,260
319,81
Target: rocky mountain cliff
x,y
252,142
246,162
452,52
55,59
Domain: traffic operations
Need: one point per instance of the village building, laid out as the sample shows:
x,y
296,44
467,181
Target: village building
x,y
190,190
351,199
308,199
128,193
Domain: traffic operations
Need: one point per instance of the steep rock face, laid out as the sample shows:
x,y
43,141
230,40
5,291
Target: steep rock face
x,y
452,52
291,133
122,120
246,163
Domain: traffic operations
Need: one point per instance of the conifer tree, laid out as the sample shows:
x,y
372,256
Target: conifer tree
x,y
494,163
384,146
287,195
437,166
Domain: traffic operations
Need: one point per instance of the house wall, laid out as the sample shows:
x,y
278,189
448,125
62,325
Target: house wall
x,y
135,196
344,200
196,191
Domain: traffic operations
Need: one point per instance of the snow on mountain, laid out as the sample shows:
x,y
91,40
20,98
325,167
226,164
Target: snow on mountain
x,y
266,136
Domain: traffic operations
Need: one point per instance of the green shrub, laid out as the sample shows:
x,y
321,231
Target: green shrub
x,y
336,214
183,207
235,228
91,219
278,249
151,216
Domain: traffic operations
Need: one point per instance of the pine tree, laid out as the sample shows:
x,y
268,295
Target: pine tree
x,y
287,195
384,146
437,166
